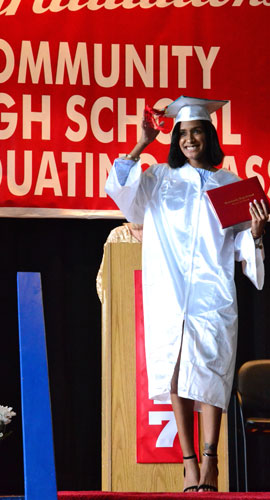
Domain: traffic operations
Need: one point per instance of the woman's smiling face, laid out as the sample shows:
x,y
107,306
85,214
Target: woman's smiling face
x,y
192,142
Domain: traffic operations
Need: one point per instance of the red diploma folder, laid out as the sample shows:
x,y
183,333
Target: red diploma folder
x,y
231,202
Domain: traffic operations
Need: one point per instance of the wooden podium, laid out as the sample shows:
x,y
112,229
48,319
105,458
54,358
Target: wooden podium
x,y
120,472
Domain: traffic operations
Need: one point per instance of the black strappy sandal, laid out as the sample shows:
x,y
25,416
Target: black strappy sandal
x,y
194,487
208,487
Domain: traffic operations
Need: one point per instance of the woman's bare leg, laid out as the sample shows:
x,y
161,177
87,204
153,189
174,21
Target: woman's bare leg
x,y
211,418
183,412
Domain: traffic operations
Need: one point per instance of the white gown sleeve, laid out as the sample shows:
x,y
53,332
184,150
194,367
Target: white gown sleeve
x,y
251,257
132,191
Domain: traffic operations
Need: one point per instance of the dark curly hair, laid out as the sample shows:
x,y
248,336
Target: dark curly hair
x,y
213,152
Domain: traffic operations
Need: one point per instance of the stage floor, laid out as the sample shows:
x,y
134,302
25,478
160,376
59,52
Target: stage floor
x,y
103,495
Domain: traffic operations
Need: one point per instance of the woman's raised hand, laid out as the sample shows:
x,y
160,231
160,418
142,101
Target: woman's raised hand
x,y
148,135
149,132
259,215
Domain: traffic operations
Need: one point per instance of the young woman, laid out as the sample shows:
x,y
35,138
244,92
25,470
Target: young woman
x,y
188,276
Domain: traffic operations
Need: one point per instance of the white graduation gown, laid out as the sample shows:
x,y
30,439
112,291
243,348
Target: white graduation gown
x,y
188,278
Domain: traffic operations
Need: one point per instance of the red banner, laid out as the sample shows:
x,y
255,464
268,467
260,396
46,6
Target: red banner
x,y
75,76
157,438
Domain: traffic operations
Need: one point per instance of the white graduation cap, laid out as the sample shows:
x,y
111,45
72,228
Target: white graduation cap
x,y
190,109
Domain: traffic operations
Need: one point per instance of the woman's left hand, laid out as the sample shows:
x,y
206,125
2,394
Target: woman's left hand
x,y
259,215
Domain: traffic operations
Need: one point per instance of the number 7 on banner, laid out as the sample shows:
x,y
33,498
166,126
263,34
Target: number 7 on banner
x,y
168,433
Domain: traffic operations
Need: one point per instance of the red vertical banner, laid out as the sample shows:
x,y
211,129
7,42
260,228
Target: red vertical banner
x,y
157,438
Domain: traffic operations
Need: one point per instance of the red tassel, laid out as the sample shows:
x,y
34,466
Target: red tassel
x,y
153,117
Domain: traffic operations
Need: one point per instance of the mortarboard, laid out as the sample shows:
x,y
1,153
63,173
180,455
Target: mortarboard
x,y
191,108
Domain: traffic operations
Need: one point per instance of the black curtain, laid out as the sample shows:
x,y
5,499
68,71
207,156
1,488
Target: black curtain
x,y
67,253
253,343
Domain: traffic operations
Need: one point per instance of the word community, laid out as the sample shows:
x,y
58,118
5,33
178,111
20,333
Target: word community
x,y
86,65
56,6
